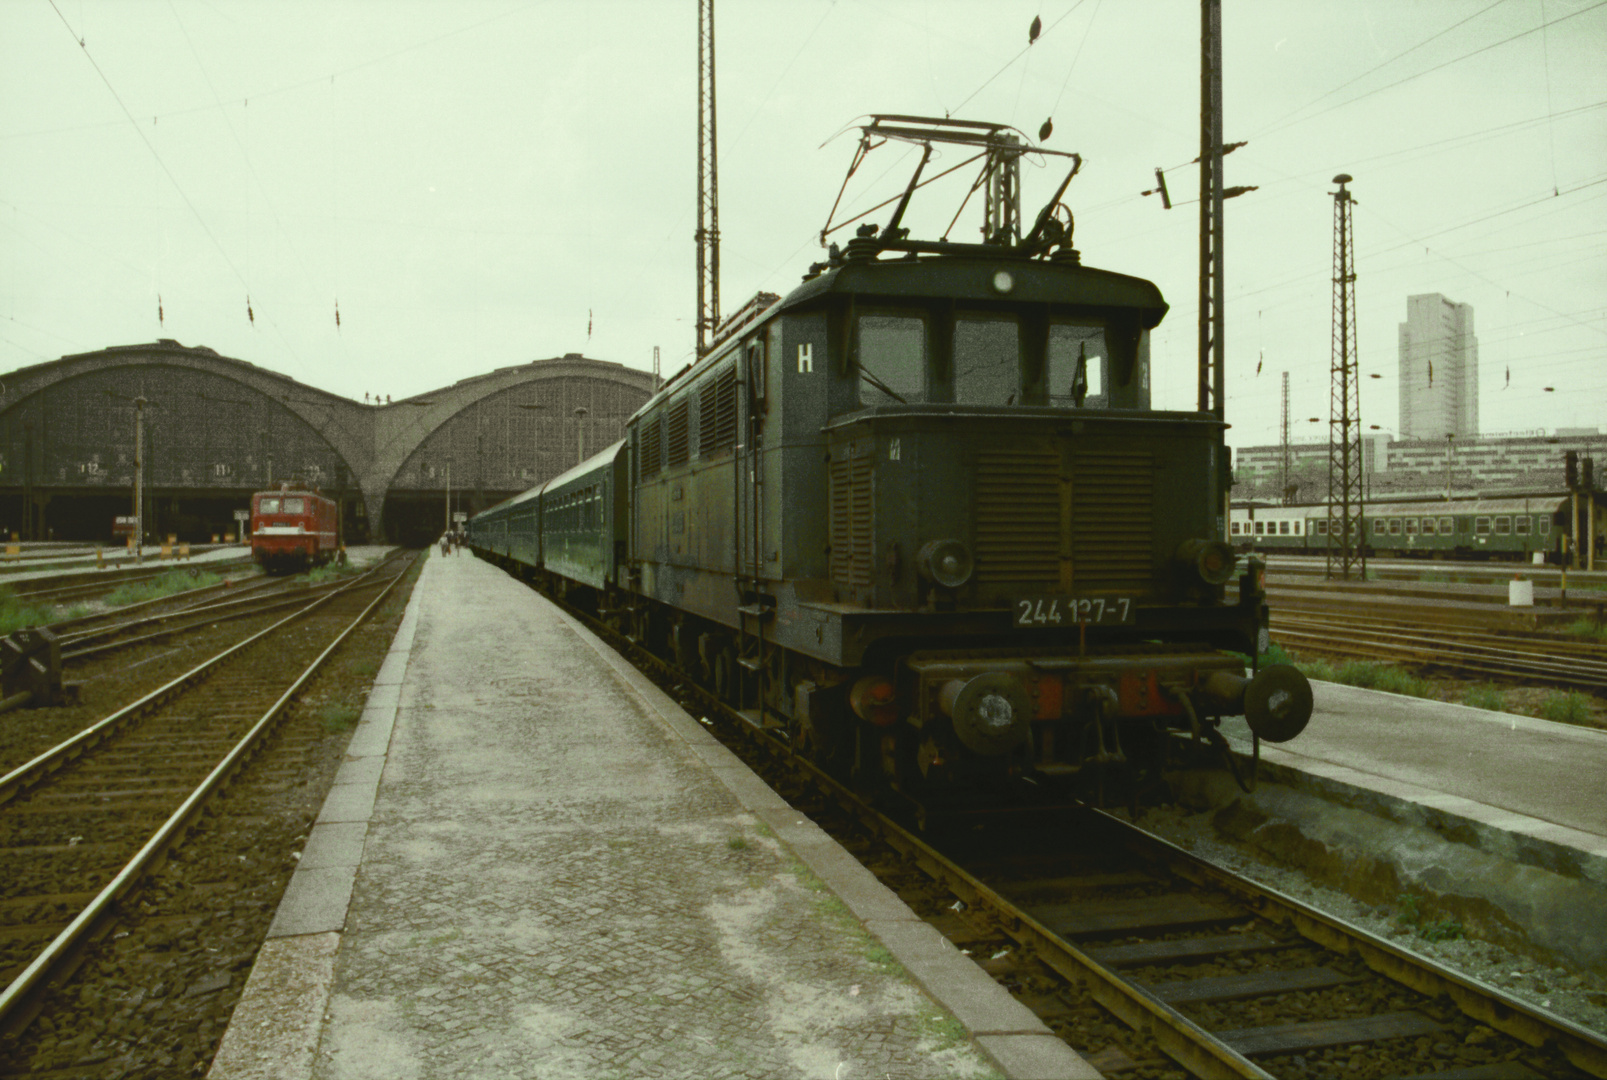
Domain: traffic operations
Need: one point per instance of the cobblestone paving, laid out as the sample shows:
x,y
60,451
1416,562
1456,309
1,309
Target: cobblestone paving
x,y
555,887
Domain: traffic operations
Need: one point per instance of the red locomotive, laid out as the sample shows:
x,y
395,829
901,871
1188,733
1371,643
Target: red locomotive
x,y
292,529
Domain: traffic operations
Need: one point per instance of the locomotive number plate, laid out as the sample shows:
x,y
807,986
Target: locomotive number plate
x,y
1070,610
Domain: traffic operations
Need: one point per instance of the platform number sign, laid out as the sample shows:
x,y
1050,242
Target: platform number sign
x,y
806,358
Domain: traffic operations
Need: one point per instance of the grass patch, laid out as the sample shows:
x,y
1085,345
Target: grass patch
x,y
1485,696
736,843
1569,708
169,584
331,572
1587,628
1368,674
1410,914
335,717
17,614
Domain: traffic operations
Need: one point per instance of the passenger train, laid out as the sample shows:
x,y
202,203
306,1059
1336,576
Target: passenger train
x,y
920,514
1499,528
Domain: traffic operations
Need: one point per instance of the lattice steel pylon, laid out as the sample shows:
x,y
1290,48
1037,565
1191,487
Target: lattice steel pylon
x,y
1347,546
1284,495
708,184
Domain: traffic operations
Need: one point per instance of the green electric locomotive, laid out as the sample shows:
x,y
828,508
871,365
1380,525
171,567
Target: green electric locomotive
x,y
920,513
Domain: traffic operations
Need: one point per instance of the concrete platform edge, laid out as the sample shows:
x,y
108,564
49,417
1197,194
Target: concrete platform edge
x,y
1502,833
1019,1044
276,1026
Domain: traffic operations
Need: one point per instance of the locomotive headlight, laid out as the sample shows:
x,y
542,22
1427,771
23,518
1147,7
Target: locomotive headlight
x,y
946,562
1003,281
1212,560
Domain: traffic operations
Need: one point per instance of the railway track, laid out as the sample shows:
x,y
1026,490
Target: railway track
x,y
1088,919
82,824
81,639
1548,659
67,588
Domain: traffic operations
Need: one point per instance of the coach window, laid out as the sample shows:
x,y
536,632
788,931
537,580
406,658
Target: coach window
x,y
1394,526
892,359
1428,526
1503,525
1481,526
1520,524
1447,526
1411,526
1322,527
1283,528
1544,522
1076,368
1378,526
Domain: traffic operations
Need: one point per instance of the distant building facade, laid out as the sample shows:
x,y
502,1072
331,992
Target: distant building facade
x,y
1439,370
1519,463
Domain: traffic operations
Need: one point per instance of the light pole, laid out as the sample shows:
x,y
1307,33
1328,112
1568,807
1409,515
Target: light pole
x,y
1449,439
139,477
580,433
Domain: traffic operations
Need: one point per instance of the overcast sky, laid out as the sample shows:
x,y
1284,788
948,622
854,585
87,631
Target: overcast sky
x,y
483,184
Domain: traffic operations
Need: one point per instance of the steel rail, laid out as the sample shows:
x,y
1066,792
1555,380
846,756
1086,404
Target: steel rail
x,y
65,628
78,930
56,756
75,649
1543,662
1435,654
1485,1003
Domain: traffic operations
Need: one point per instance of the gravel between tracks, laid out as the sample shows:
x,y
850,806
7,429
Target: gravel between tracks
x,y
154,996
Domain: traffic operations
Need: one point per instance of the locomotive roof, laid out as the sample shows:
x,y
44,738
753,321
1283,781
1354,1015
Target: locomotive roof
x,y
969,277
960,277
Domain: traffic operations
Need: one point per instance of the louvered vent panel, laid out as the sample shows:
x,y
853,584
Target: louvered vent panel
x,y
1112,520
851,532
652,448
1018,517
725,425
707,438
677,433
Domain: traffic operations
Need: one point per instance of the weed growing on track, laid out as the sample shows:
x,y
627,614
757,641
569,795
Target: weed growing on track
x,y
169,584
1409,915
17,614
1568,708
336,717
1485,696
330,572
1367,674
1587,628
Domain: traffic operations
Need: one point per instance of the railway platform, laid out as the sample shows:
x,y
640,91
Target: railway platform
x,y
1499,813
534,863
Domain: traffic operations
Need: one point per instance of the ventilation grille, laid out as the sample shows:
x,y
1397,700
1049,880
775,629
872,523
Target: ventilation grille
x,y
652,447
1018,517
851,539
717,413
1112,520
677,430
